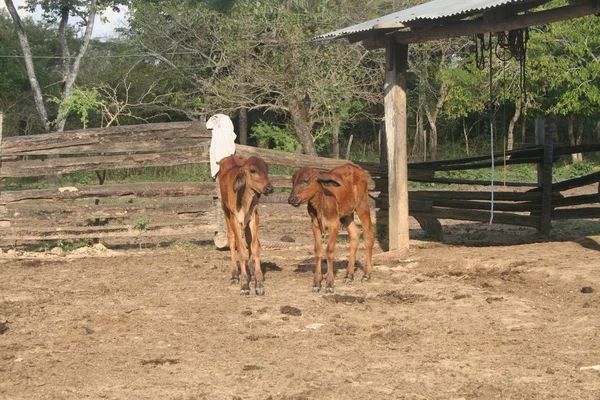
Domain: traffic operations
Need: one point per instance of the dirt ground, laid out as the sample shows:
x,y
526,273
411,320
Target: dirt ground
x,y
494,312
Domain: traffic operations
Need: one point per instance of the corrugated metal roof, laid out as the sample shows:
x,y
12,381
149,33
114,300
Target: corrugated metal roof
x,y
427,11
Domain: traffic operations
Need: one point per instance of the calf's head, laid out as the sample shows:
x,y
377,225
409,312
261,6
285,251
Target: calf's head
x,y
253,175
307,182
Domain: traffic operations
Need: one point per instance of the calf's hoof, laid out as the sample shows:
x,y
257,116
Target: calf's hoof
x,y
348,281
234,281
316,289
260,289
366,278
245,292
329,289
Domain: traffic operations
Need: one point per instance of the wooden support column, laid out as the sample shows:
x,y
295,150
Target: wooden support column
x,y
545,136
396,139
4,223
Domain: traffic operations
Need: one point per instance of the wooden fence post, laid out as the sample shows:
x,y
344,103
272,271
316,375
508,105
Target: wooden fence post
x,y
3,211
545,136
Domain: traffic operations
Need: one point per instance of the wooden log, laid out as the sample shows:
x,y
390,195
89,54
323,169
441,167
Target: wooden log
x,y
518,153
474,195
576,200
144,190
139,133
292,160
431,226
486,205
486,164
576,182
98,232
147,146
473,182
483,216
72,212
576,213
582,148
55,166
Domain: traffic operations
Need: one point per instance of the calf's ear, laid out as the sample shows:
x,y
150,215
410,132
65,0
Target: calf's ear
x,y
327,181
239,182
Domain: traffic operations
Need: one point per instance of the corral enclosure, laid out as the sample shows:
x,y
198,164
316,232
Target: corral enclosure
x,y
135,211
495,311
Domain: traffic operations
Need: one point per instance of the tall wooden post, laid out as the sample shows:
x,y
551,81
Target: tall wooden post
x,y
4,223
544,131
396,139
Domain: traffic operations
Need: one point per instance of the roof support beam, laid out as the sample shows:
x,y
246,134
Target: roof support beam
x,y
396,138
472,27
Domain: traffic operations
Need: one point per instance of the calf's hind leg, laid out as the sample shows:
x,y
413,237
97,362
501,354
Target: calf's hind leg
x,y
369,234
353,236
235,274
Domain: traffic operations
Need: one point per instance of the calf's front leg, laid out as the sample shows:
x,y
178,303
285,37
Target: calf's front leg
x,y
317,277
333,234
259,279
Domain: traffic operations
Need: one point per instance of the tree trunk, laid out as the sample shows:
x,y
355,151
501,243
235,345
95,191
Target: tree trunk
x,y
243,126
70,78
598,131
511,127
466,135
335,132
554,122
570,129
24,43
302,124
524,129
579,138
433,139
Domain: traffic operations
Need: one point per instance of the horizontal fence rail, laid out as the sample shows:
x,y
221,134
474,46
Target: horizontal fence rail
x,y
99,211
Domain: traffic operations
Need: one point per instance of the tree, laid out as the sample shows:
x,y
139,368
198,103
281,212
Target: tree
x,y
260,57
61,12
566,57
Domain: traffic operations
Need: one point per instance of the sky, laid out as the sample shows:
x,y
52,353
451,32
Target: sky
x,y
101,30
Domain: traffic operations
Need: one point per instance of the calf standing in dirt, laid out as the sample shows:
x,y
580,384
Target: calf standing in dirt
x,y
242,180
333,197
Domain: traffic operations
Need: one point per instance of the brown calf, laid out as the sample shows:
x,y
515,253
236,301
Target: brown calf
x,y
333,197
242,180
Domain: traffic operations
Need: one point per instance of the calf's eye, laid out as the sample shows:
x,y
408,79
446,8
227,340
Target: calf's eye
x,y
252,171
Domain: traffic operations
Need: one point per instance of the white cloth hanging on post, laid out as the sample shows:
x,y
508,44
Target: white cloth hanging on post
x,y
222,143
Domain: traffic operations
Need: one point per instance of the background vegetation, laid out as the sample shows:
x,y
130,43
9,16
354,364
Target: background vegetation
x,y
255,60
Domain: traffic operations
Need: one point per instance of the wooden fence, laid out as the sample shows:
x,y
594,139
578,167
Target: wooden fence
x,y
99,211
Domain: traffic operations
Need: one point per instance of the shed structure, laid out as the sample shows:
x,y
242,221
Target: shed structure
x,y
437,19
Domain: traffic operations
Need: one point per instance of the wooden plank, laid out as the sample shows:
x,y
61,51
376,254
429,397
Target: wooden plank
x,y
479,25
146,146
483,216
55,166
143,190
145,132
577,213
